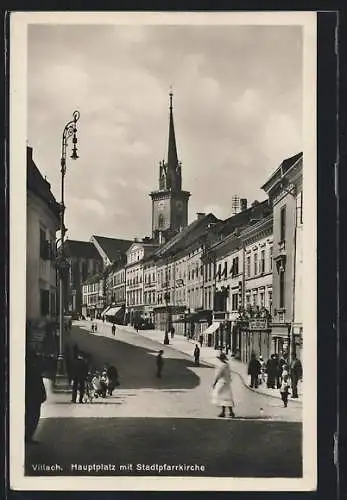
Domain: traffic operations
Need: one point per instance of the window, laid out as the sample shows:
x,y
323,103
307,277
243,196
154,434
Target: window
x,y
283,224
262,299
225,270
235,267
44,302
262,261
161,221
235,301
255,264
282,289
270,257
53,308
248,268
43,245
219,270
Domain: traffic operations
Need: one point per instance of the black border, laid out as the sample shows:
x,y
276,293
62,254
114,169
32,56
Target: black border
x,y
328,322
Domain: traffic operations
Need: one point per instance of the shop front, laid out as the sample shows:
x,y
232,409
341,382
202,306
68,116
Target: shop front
x,y
196,323
280,338
297,339
252,336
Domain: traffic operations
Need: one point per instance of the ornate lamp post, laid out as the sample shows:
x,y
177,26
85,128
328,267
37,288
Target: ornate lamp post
x,y
70,130
166,337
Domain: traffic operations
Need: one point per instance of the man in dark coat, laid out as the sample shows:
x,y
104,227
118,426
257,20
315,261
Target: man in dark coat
x,y
113,329
295,375
35,394
254,368
272,371
160,363
197,355
113,380
80,373
281,363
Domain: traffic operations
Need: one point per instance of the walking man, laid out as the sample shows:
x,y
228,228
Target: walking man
x,y
295,375
113,329
160,363
197,355
271,370
80,373
254,368
113,379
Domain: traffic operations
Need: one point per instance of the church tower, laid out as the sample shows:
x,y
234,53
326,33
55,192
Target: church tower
x,y
169,202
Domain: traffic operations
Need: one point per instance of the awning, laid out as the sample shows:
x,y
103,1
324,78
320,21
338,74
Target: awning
x,y
113,311
105,310
212,328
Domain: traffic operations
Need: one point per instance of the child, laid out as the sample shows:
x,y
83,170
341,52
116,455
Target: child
x,y
284,389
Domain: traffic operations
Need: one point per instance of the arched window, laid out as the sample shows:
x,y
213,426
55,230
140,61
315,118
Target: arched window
x,y
161,221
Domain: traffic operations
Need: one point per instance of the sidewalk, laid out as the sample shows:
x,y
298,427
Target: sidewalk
x,y
208,355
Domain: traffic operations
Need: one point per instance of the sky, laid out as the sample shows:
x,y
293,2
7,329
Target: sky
x,y
237,112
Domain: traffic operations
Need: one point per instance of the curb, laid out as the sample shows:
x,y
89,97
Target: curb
x,y
235,372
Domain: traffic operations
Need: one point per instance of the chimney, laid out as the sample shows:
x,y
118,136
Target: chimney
x,y
200,215
29,153
243,203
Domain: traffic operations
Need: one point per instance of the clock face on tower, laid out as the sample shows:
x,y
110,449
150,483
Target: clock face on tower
x,y
179,204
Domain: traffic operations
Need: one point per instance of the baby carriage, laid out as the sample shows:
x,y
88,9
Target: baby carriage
x,y
96,385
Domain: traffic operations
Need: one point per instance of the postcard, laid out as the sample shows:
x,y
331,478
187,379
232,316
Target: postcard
x,y
162,251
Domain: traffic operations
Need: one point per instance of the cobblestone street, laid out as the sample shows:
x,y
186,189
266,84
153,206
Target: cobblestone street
x,y
146,417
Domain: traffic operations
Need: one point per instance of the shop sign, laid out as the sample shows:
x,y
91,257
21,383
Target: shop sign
x,y
258,324
219,315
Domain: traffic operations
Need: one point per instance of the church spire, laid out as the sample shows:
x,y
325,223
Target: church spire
x,y
172,160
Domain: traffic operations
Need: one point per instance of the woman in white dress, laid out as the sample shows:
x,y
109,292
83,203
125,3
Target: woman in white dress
x,y
222,394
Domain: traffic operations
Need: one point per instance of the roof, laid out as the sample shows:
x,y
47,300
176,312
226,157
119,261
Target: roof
x,y
81,249
113,247
282,169
258,226
256,212
226,245
95,278
186,237
38,185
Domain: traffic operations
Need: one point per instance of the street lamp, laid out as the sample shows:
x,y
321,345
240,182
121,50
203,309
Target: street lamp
x,y
70,130
166,337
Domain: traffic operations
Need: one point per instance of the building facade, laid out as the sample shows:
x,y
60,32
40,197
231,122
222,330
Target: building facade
x,y
254,325
93,296
134,277
43,214
284,189
84,262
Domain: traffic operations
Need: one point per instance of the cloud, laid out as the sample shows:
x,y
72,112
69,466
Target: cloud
x,y
101,191
88,204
